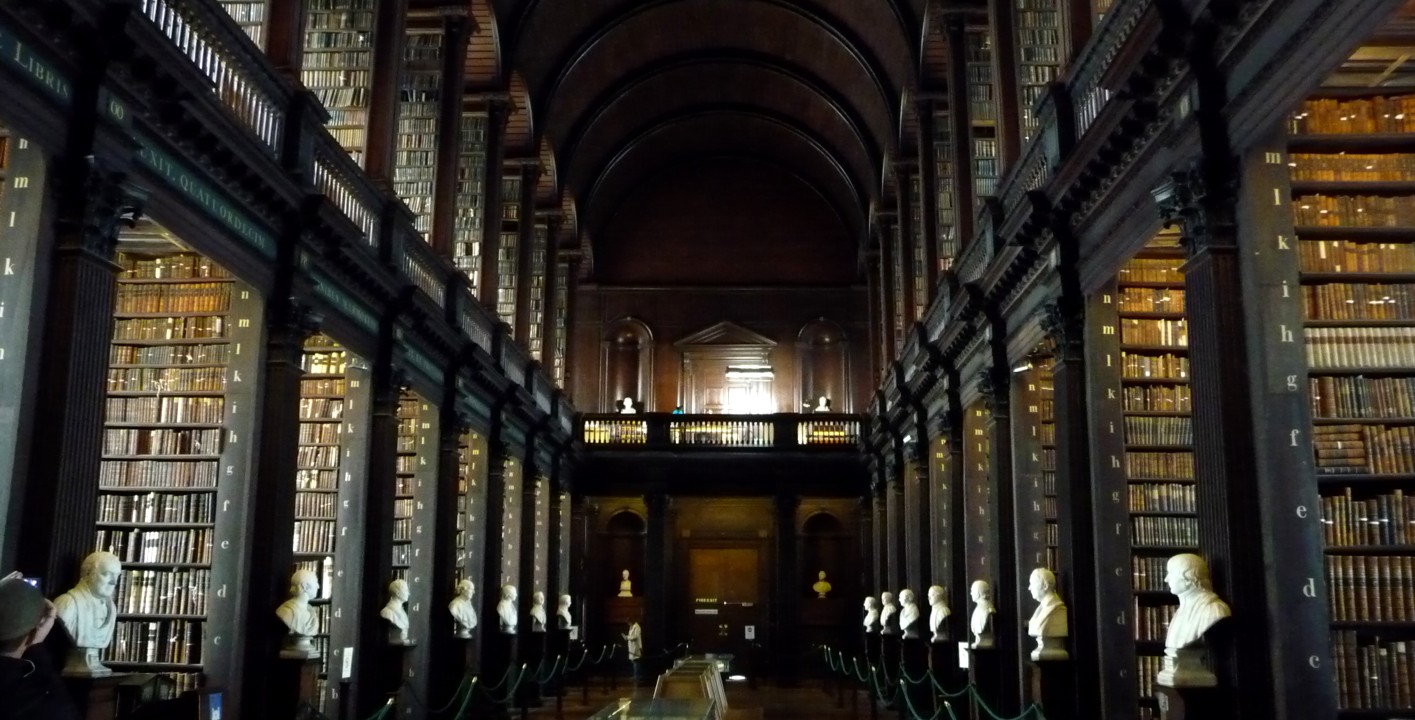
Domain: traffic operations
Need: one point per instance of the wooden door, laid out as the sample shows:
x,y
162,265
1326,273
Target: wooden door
x,y
724,596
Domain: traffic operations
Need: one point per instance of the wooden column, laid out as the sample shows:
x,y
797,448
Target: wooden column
x,y
889,251
905,239
865,515
920,516
1076,19
498,107
1004,69
788,590
389,37
456,33
551,320
489,589
928,196
1012,612
952,490
447,654
572,291
285,35
525,252
657,564
879,354
881,528
894,521
962,134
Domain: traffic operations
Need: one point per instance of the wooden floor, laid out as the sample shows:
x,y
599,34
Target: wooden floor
x,y
806,700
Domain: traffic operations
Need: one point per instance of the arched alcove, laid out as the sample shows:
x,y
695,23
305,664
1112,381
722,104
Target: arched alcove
x,y
628,365
823,359
623,542
825,545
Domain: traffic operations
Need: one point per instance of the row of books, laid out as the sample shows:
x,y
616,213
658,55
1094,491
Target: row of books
x,y
1352,167
1146,667
1150,300
156,508
1387,519
1148,572
325,433
1160,465
1159,431
1167,366
169,267
169,379
1157,398
314,536
344,97
1170,333
316,505
1342,301
323,363
1162,497
1353,211
1356,256
323,386
165,409
197,327
1359,347
208,354
191,547
1330,116
181,591
115,474
1364,449
156,641
173,298
317,478
1152,270
1362,397
162,441
327,410
1152,621
349,60
317,456
1367,588
336,78
1373,674
1164,531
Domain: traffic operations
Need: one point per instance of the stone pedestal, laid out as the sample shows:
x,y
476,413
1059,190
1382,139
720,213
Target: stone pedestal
x,y
1193,703
915,655
943,661
498,658
295,681
887,668
1052,685
393,664
110,696
537,663
985,673
872,649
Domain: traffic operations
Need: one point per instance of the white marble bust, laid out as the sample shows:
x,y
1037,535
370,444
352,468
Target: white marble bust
x,y
537,611
938,612
562,613
822,586
506,610
887,624
464,611
822,405
89,613
1048,623
299,617
908,614
626,406
1199,609
980,623
871,613
395,612
626,588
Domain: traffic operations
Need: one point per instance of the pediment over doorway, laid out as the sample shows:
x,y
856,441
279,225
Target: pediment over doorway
x,y
726,334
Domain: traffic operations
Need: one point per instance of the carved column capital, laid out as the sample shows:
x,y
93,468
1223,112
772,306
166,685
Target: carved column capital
x,y
96,202
1201,200
1064,327
989,388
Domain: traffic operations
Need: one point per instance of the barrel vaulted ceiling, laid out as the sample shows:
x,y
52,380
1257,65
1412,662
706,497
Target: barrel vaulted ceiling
x,y
619,91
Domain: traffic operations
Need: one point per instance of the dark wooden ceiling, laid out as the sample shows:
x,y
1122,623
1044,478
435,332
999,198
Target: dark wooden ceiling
x,y
620,90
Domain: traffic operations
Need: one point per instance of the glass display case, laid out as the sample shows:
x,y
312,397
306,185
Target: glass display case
x,y
656,709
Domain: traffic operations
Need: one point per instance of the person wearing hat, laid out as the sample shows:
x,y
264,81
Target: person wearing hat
x,y
29,687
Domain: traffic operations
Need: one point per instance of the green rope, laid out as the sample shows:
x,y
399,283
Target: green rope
x,y
1032,711
383,711
499,683
512,692
553,671
909,702
904,675
941,691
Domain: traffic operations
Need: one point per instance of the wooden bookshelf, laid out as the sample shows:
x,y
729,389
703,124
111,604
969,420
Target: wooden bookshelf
x,y
1046,399
1039,56
508,254
981,547
169,460
562,329
540,237
419,103
982,113
471,506
510,529
250,16
1034,466
338,67
945,198
918,248
540,580
471,199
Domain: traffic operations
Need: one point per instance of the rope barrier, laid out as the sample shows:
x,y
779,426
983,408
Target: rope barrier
x,y
511,693
909,703
1032,710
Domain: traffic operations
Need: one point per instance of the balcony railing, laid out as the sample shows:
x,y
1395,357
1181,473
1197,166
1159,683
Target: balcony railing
x,y
665,431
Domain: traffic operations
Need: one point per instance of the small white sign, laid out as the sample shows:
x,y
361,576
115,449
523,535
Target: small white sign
x,y
575,633
751,631
705,611
963,655
348,670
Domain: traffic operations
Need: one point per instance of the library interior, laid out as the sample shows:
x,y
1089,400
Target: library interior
x,y
930,359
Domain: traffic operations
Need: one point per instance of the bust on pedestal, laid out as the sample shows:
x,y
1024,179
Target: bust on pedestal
x,y
89,614
1048,623
980,623
563,620
396,614
938,612
908,614
887,612
464,612
871,614
626,588
626,407
822,587
506,610
299,617
537,611
1199,609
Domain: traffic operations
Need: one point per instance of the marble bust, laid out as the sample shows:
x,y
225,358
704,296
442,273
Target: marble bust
x,y
506,610
871,613
537,611
562,613
464,612
938,612
908,614
299,617
981,621
887,624
396,613
626,588
1199,609
1048,623
627,406
822,405
89,613
822,586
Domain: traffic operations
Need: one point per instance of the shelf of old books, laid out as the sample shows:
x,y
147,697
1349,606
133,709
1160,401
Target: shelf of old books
x,y
982,112
250,16
471,194
979,524
184,331
541,551
510,537
1046,400
1039,53
943,168
540,237
561,309
508,257
338,67
416,450
1353,208
471,505
1034,465
419,102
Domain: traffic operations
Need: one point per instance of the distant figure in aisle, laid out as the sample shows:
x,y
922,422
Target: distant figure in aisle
x,y
627,407
396,614
823,405
1199,609
1048,623
908,614
89,614
562,613
464,611
822,587
506,610
537,611
888,610
29,687
626,588
938,612
299,617
871,613
981,621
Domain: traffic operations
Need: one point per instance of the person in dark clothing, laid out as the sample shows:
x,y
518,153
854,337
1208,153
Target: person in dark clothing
x,y
29,687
